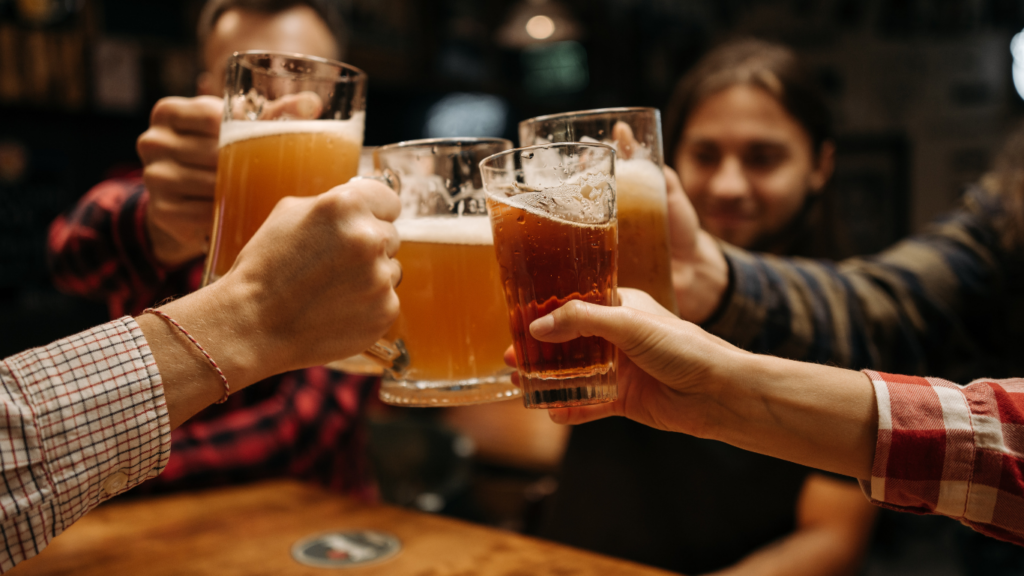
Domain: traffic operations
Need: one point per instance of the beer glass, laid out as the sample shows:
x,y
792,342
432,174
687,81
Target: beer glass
x,y
292,126
452,324
635,133
366,364
555,236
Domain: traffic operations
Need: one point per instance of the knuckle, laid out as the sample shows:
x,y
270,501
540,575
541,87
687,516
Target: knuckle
x,y
390,309
574,310
164,109
153,143
157,178
289,204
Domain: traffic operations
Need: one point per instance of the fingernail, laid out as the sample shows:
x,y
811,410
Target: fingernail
x,y
542,326
558,416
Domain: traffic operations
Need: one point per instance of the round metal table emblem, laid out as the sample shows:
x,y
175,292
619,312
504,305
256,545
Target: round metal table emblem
x,y
347,549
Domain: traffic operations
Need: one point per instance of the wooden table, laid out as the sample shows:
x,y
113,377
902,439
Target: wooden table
x,y
249,531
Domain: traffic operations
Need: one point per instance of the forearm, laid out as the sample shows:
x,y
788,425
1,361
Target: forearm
x,y
819,416
810,552
98,388
702,281
906,310
217,319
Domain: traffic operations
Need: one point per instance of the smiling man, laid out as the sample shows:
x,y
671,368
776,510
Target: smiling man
x,y
135,241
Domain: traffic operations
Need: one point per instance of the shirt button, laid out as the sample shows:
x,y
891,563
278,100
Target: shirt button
x,y
115,483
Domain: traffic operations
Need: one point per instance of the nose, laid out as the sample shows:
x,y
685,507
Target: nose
x,y
729,182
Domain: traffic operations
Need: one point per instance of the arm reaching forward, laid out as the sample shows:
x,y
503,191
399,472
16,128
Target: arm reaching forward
x,y
90,416
913,442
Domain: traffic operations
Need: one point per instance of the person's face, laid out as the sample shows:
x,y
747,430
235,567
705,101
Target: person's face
x,y
748,166
298,29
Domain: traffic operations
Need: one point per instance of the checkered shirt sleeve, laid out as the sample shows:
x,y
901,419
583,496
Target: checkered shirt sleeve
x,y
951,450
83,419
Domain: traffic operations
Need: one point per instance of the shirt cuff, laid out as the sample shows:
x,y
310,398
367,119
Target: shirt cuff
x,y
101,413
925,451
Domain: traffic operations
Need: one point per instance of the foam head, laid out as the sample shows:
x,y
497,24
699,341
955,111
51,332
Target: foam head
x,y
238,130
639,182
469,230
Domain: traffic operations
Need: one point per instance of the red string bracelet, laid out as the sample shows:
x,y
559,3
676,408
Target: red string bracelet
x,y
223,378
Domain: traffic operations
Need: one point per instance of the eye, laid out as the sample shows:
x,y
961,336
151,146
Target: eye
x,y
764,157
705,156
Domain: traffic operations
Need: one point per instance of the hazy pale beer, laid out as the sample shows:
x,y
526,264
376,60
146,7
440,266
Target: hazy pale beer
x,y
452,324
556,240
292,126
452,314
644,259
262,162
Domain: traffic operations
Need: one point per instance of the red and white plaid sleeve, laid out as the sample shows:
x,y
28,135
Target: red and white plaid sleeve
x,y
81,420
951,450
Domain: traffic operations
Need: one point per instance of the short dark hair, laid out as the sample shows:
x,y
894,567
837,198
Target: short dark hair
x,y
771,67
328,10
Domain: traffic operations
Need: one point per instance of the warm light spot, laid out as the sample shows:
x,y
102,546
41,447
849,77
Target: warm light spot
x,y
1017,50
540,27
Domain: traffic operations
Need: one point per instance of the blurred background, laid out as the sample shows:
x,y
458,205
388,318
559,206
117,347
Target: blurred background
x,y
922,91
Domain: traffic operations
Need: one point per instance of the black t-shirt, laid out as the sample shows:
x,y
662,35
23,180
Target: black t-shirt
x,y
669,500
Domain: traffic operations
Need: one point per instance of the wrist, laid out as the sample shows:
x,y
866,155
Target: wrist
x,y
729,393
224,320
165,250
701,282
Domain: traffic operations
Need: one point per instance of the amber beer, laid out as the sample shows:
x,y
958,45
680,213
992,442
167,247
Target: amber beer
x,y
644,259
452,319
546,262
261,162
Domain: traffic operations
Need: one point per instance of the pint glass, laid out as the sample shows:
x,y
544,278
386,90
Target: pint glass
x,y
452,323
293,126
644,260
555,236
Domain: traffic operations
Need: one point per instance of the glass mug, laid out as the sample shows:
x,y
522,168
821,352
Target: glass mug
x,y
553,214
451,327
292,126
644,259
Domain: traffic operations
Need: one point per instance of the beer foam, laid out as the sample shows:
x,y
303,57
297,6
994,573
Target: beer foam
x,y
470,230
517,202
238,130
639,181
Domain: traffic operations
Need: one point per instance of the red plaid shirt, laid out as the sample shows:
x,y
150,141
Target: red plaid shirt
x,y
304,424
84,419
951,450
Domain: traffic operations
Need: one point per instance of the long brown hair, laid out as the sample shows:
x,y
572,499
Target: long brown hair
x,y
1008,179
777,70
771,67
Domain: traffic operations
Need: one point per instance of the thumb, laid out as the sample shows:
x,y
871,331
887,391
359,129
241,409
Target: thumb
x,y
576,319
302,106
622,134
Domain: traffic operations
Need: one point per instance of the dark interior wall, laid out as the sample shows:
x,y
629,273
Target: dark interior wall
x,y
921,91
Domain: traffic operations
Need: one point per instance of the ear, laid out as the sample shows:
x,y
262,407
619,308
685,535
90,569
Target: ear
x,y
205,84
825,167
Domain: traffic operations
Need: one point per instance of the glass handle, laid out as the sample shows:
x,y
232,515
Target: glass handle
x,y
388,177
391,355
